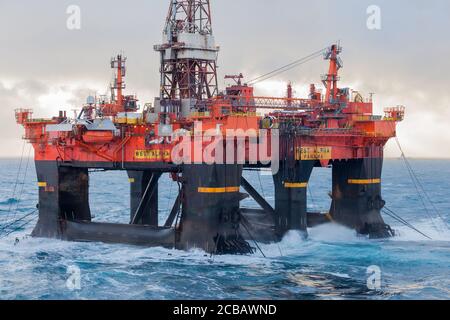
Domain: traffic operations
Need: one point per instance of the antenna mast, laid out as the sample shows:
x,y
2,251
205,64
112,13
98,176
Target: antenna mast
x,y
117,87
330,80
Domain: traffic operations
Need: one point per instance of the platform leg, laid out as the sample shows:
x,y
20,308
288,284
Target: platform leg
x,y
356,195
139,181
63,195
74,194
291,184
210,209
48,224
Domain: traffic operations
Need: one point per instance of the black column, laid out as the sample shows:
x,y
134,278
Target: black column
x,y
48,224
74,194
63,195
357,200
210,214
291,184
139,181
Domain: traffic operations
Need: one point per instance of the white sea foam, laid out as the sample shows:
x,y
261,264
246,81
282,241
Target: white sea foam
x,y
333,232
436,230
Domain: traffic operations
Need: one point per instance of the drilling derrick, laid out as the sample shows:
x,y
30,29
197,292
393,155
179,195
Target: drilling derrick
x,y
188,56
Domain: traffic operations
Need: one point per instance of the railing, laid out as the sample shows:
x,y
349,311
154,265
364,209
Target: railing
x,y
200,114
23,115
272,103
394,113
368,118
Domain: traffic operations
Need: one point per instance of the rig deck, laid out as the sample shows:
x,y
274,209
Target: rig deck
x,y
205,138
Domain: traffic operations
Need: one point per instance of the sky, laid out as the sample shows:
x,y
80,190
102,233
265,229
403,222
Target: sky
x,y
48,67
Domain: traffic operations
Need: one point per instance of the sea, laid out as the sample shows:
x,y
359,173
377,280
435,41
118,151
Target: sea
x,y
332,263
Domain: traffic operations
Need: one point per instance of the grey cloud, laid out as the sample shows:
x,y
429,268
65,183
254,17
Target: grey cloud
x,y
11,99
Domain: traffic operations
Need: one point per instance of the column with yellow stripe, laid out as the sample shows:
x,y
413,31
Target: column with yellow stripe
x,y
291,183
210,212
356,196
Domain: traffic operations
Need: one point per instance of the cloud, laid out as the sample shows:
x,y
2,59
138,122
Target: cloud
x,y
45,100
13,97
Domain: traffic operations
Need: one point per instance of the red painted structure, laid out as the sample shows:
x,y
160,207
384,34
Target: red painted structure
x,y
335,129
345,125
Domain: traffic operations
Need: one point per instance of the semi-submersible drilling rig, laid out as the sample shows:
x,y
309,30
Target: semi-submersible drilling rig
x,y
336,129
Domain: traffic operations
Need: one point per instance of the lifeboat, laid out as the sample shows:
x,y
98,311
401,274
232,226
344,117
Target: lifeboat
x,y
98,137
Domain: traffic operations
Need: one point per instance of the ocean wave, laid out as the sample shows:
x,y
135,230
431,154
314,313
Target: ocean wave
x,y
9,201
330,263
436,230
